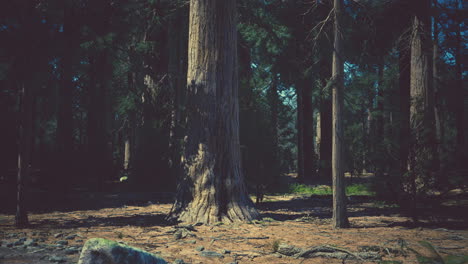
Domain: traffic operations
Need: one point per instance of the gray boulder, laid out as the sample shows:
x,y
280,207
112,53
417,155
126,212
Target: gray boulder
x,y
103,251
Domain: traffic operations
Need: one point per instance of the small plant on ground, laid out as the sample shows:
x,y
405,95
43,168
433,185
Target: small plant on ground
x,y
275,245
436,258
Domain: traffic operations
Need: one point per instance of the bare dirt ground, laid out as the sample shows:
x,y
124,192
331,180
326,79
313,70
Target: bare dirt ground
x,y
305,222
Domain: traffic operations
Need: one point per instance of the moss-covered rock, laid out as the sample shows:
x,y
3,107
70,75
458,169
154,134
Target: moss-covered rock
x,y
103,251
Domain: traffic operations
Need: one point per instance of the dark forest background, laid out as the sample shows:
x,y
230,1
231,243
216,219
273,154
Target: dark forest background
x,y
102,84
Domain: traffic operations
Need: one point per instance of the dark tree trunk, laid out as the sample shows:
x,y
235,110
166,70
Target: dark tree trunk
x,y
340,218
177,45
441,179
460,95
97,139
24,151
308,132
64,114
300,130
404,61
212,187
325,168
422,129
380,103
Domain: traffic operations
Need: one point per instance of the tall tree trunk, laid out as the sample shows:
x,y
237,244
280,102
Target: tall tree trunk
x,y
97,140
308,130
340,218
300,130
64,114
421,109
325,168
212,188
380,102
24,152
274,102
177,45
404,61
441,179
379,137
460,94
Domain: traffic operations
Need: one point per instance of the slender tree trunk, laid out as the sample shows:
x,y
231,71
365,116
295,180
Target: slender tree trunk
x,y
212,187
325,169
340,218
460,95
308,130
64,114
177,45
404,55
300,130
380,103
24,152
441,179
318,138
97,139
274,103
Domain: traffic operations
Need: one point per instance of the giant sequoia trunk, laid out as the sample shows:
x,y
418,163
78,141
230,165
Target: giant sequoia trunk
x,y
340,218
422,137
211,188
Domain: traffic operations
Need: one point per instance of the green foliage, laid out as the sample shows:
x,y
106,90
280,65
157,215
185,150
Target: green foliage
x,y
297,188
354,189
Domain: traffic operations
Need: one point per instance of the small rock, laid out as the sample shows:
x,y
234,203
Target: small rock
x,y
455,237
71,251
57,259
191,242
62,242
9,245
99,250
30,243
79,240
58,235
200,248
70,237
18,243
278,255
225,251
211,254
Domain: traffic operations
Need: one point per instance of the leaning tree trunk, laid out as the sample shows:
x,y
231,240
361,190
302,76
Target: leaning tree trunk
x,y
212,187
340,219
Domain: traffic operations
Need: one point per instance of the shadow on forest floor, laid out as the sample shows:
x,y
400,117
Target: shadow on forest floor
x,y
431,215
139,220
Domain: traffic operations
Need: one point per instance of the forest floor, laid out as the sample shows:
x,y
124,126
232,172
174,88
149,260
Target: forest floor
x,y
302,221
